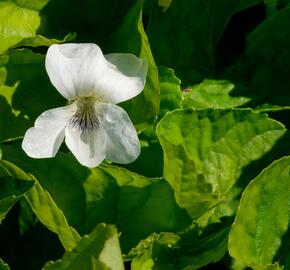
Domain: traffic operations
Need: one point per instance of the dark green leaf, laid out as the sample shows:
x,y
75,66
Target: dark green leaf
x,y
190,250
12,187
45,208
145,107
264,68
25,92
185,36
136,204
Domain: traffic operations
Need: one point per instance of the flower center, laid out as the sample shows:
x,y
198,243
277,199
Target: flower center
x,y
85,117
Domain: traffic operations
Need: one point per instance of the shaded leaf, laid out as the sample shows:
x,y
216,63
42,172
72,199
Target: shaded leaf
x,y
263,67
24,78
189,250
45,209
185,36
12,187
136,204
145,107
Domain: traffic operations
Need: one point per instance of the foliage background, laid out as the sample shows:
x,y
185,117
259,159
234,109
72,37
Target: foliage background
x,y
211,188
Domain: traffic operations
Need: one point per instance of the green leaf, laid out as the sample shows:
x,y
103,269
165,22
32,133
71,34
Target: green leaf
x,y
212,94
3,265
192,54
99,250
136,204
201,247
170,91
12,188
190,250
21,25
39,40
259,235
156,252
275,5
145,107
264,67
23,77
207,153
45,208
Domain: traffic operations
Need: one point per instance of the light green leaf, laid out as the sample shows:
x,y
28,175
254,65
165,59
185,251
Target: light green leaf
x,y
100,250
145,107
170,91
212,94
39,40
259,235
207,152
21,25
12,188
164,3
3,265
45,208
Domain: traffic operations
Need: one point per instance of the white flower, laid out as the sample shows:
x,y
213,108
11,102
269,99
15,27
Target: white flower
x,y
93,127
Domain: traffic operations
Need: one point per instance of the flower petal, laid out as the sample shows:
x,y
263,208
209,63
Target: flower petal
x,y
81,70
88,145
74,68
127,77
44,139
122,145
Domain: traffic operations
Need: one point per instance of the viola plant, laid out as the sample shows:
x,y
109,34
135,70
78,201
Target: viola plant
x,y
205,182
93,126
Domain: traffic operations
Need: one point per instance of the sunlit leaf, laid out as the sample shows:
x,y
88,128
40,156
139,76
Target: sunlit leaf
x,y
260,232
206,153
212,94
98,250
3,265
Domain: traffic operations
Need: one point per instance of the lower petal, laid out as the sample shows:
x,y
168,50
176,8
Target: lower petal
x,y
87,145
44,139
122,144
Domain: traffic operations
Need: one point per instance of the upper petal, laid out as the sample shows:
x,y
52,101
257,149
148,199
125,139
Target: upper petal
x,y
44,139
74,68
79,70
87,145
126,79
122,144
